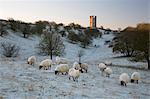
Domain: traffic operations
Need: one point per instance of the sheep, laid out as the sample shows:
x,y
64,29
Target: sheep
x,y
60,60
108,62
46,64
31,60
135,77
108,71
62,68
84,67
74,74
102,67
124,79
76,66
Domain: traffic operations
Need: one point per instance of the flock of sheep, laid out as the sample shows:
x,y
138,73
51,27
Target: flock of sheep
x,y
123,78
77,68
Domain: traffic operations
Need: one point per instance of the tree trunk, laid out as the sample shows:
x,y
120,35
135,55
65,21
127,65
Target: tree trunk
x,y
51,55
148,61
24,35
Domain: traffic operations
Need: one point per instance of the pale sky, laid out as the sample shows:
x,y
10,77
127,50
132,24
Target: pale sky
x,y
110,13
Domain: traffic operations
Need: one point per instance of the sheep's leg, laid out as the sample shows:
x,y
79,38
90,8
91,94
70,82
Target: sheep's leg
x,y
125,84
108,75
70,77
76,79
137,81
46,68
86,71
50,67
102,73
73,79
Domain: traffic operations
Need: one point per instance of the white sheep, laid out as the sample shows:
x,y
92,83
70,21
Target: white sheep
x,y
31,60
135,77
60,60
84,67
74,74
46,64
108,71
102,67
62,68
76,66
124,79
108,62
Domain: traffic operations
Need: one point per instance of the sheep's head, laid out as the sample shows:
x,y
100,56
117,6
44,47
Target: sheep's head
x,y
132,81
81,70
40,67
122,83
56,72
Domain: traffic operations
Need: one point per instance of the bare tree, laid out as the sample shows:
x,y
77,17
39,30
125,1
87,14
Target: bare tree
x,y
51,43
10,49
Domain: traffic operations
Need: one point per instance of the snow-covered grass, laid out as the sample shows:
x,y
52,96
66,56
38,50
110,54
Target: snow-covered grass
x,y
100,53
18,80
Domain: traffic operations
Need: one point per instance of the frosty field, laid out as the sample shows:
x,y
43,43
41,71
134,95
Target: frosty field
x,y
22,81
18,80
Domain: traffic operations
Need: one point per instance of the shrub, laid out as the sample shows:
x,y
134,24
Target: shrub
x,y
9,49
3,28
92,33
73,37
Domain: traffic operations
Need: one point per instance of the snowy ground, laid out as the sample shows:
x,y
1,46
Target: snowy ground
x,y
101,53
19,80
22,81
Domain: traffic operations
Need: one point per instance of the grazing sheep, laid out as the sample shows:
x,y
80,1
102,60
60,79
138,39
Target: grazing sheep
x,y
135,77
60,60
76,66
84,67
74,74
62,68
31,60
124,79
108,71
102,67
108,62
46,64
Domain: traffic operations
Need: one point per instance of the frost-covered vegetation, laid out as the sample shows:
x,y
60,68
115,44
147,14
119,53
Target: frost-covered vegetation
x,y
134,42
21,80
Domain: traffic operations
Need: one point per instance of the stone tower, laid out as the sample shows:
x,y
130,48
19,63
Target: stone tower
x,y
92,22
